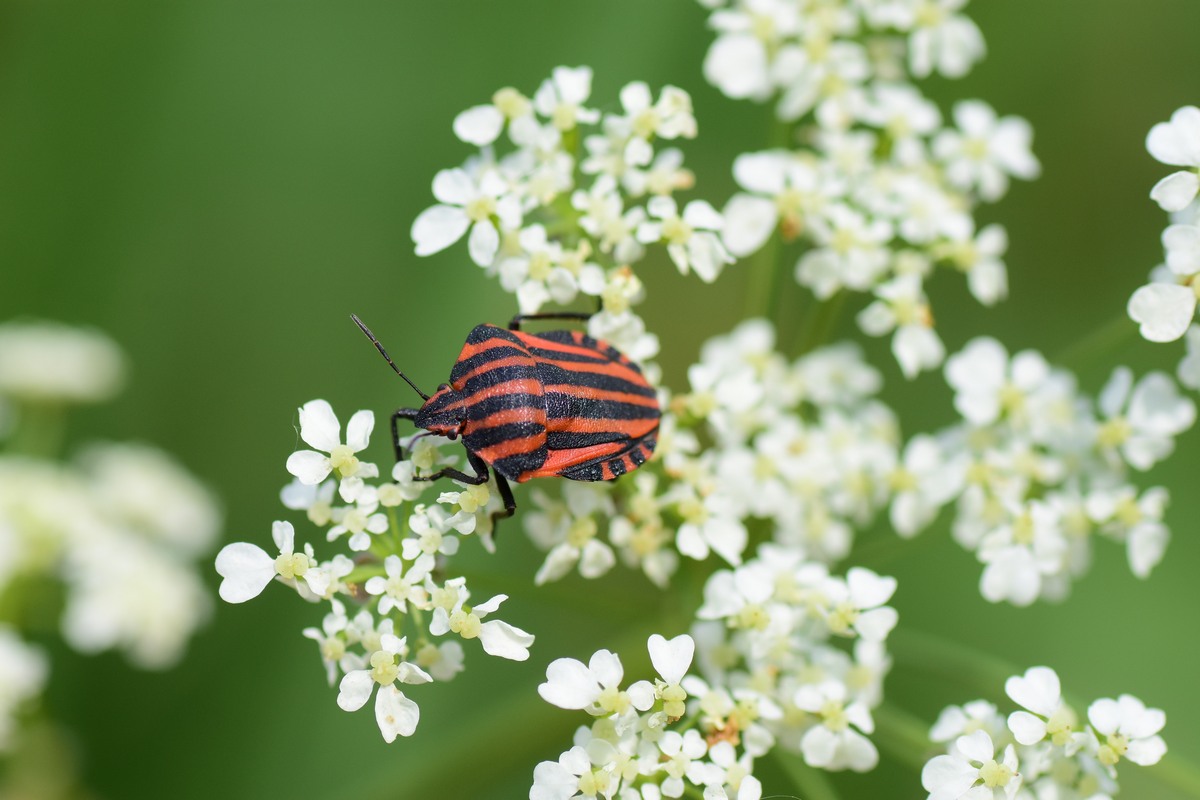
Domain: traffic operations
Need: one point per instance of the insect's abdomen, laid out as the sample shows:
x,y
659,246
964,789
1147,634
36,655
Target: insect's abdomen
x,y
505,404
601,413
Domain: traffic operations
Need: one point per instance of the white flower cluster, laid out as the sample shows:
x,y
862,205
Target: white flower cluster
x,y
392,600
801,451
574,199
116,530
1165,307
882,191
1038,472
773,674
637,747
771,636
1042,751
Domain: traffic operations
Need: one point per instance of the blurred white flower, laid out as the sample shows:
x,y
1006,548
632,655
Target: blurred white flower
x,y
50,362
23,672
984,151
1177,143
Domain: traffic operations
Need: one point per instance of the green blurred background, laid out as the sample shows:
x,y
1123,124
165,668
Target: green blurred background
x,y
219,184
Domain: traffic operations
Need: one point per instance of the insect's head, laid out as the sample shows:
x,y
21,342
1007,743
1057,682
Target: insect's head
x,y
443,413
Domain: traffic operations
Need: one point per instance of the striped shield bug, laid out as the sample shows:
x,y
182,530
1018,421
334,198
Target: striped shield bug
x,y
536,405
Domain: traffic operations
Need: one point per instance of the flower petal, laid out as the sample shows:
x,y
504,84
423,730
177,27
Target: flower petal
x,y
355,690
506,641
246,568
319,426
438,227
1163,310
395,713
479,125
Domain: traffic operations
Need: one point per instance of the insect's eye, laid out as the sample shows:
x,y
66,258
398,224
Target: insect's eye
x,y
452,435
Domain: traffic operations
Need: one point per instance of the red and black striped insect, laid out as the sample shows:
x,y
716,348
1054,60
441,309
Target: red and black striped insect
x,y
537,405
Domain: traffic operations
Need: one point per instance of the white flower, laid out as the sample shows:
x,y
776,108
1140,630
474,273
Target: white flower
x,y
247,568
988,385
1177,143
682,756
956,721
23,671
711,524
1163,311
982,259
1022,555
578,769
835,743
331,641
972,773
671,117
149,490
319,428
691,239
477,203
360,520
52,362
560,98
1188,370
857,604
1127,729
852,251
479,125
594,687
442,661
1142,421
125,592
902,307
400,588
985,150
926,480
943,41
498,638
1039,691
395,713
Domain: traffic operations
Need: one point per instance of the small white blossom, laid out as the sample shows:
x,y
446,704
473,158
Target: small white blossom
x,y
972,772
395,713
1125,728
320,429
247,568
1177,143
984,151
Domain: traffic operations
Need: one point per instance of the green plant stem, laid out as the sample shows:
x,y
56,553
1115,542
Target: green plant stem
x,y
1098,343
935,656
1178,774
810,783
39,431
818,326
765,281
902,736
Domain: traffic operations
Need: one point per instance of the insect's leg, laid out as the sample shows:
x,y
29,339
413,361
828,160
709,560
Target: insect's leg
x,y
477,463
578,316
397,415
510,505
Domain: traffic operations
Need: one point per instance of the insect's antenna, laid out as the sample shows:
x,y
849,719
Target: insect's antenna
x,y
386,357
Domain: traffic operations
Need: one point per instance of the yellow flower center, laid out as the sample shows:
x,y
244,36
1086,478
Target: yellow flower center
x,y
995,775
342,459
292,565
383,667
